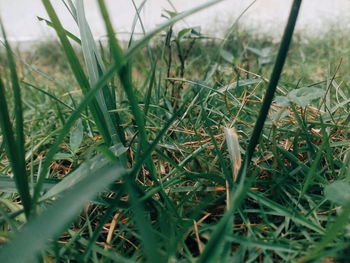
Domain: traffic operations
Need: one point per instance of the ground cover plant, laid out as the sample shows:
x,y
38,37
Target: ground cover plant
x,y
186,149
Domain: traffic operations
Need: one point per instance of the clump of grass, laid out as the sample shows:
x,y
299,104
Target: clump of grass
x,y
137,135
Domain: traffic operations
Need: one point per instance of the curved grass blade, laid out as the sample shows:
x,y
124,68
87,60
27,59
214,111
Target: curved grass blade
x,y
35,235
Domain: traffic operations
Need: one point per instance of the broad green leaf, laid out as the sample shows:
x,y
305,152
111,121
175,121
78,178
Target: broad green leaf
x,y
63,156
170,13
338,192
304,96
264,54
282,101
227,56
182,33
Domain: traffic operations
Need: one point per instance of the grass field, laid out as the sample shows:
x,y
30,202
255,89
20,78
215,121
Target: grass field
x,y
157,150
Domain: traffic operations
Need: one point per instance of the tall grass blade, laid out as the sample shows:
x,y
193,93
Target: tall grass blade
x,y
275,76
214,247
14,139
95,69
78,71
124,75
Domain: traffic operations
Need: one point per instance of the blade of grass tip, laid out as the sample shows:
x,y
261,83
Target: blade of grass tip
x,y
137,17
15,144
71,8
212,249
35,235
77,71
69,123
69,34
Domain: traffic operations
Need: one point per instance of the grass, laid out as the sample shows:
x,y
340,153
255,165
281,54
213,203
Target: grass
x,y
116,153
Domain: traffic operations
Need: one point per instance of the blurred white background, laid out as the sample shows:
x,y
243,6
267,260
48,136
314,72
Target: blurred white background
x,y
266,16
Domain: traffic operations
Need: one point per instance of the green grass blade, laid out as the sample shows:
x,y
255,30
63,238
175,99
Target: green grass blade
x,y
35,235
69,34
52,96
96,69
275,76
17,100
150,88
14,139
8,185
212,250
90,166
78,71
125,76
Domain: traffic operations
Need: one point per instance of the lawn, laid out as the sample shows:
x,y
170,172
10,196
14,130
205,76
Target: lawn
x,y
175,146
